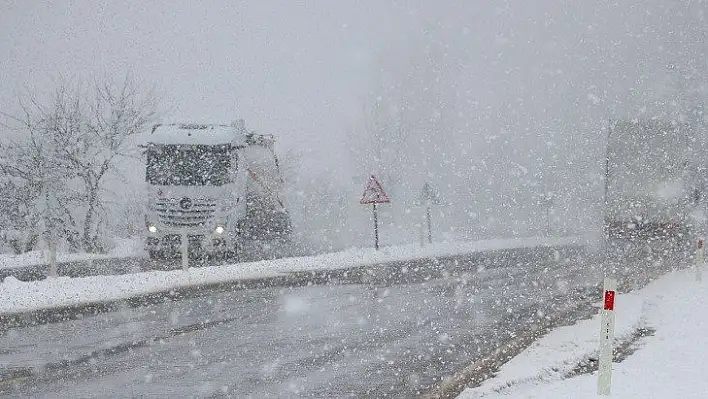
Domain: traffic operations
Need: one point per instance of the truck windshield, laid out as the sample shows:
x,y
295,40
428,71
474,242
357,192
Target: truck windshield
x,y
193,165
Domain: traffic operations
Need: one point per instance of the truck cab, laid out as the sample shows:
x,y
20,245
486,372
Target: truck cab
x,y
196,187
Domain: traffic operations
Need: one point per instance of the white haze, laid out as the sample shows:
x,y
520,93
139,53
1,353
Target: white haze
x,y
496,103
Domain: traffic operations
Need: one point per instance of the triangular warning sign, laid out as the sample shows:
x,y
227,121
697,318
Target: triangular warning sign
x,y
374,193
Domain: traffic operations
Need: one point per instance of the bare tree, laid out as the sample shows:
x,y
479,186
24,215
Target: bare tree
x,y
27,169
65,147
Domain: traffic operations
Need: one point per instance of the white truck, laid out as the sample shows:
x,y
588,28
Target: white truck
x,y
218,186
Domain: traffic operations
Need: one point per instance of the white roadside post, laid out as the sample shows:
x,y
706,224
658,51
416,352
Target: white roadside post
x,y
699,259
607,333
50,229
185,250
53,257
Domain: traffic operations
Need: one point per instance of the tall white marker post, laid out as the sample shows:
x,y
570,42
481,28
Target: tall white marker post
x,y
607,335
53,272
50,229
699,259
185,250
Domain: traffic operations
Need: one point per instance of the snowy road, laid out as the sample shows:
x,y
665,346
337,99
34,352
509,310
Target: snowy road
x,y
367,339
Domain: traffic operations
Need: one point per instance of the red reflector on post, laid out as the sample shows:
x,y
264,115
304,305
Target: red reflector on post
x,y
700,244
609,300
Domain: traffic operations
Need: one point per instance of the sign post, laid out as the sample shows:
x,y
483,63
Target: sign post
x,y
607,333
429,196
376,228
430,225
374,194
699,259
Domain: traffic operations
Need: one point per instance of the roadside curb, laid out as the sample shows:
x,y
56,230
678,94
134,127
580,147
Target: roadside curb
x,y
73,312
67,268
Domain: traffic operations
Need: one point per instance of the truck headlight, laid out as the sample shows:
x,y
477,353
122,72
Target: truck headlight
x,y
219,229
152,229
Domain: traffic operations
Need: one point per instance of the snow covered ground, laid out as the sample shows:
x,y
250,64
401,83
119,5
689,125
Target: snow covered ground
x,y
124,248
17,296
668,364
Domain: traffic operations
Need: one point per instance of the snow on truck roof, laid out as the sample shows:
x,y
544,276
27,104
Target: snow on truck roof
x,y
197,134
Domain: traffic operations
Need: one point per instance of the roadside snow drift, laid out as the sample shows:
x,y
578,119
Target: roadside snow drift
x,y
17,296
668,364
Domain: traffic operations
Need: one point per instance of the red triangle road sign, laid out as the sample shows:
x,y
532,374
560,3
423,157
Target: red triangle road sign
x,y
374,193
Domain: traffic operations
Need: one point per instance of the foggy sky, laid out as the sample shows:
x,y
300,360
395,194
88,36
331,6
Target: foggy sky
x,y
302,69
296,69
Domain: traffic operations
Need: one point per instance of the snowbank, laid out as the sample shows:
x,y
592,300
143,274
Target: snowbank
x,y
17,296
124,248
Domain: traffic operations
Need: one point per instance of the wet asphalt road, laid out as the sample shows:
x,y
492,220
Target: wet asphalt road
x,y
372,339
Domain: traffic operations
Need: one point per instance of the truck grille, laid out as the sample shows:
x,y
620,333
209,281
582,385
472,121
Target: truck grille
x,y
172,213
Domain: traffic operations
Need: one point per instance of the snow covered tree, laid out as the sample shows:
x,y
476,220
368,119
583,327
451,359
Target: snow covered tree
x,y
63,148
28,172
20,231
